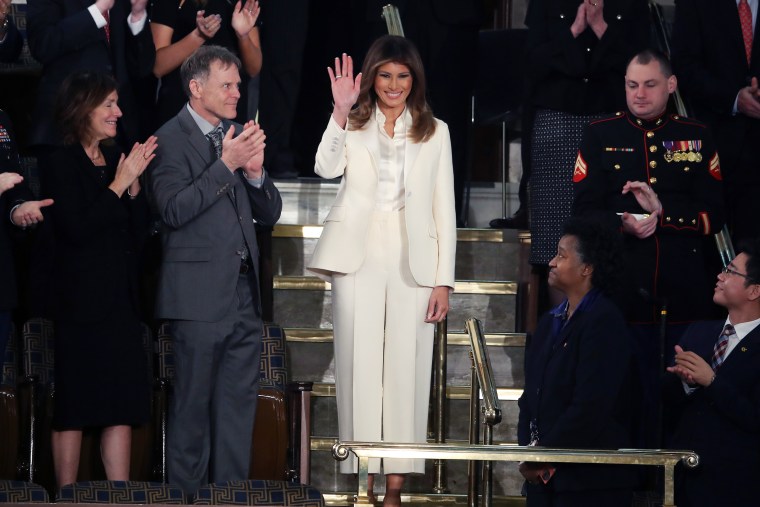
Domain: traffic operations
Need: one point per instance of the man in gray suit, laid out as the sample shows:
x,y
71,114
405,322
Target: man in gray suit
x,y
209,186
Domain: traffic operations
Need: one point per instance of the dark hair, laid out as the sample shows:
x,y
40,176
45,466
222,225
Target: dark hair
x,y
79,95
600,247
386,49
646,56
198,65
751,247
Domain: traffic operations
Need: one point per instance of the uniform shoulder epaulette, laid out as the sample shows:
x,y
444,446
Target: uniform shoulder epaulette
x,y
617,116
687,121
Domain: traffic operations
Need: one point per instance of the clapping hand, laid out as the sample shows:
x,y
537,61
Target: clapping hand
x,y
748,100
345,89
691,368
207,26
132,166
237,151
645,196
255,165
9,180
29,213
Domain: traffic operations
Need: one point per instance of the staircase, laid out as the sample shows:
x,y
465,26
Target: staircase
x,y
491,283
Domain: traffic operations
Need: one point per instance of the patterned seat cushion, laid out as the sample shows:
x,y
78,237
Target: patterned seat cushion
x,y
273,354
22,492
131,492
39,349
9,360
259,493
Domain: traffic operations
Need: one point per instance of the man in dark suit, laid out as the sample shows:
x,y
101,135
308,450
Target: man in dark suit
x,y
110,36
716,382
208,191
716,54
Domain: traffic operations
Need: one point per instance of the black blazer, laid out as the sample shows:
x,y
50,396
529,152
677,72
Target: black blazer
x,y
720,422
11,47
579,391
9,162
582,75
64,38
711,65
97,237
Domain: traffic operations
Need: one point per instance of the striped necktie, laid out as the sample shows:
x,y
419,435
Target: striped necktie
x,y
721,346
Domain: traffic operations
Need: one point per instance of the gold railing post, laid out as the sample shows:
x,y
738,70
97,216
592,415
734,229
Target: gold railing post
x,y
472,467
487,469
362,497
440,479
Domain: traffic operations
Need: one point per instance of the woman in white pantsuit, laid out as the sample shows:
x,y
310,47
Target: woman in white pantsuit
x,y
388,247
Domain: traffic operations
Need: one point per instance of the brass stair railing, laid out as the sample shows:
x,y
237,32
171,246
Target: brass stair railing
x,y
482,382
667,459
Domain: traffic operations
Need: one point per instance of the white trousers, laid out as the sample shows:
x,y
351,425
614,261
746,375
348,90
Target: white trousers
x,y
383,347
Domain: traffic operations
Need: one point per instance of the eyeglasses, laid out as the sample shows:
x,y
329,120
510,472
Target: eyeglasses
x,y
730,271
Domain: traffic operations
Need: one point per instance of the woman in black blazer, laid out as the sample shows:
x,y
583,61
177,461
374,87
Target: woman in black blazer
x,y
100,217
578,376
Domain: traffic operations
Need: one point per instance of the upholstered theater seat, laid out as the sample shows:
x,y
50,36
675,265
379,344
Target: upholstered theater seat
x,y
259,493
129,492
22,492
281,432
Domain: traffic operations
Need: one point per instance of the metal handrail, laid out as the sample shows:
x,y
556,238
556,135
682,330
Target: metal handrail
x,y
482,363
482,381
393,20
668,459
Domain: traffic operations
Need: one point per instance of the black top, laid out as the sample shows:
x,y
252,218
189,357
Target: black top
x,y
582,75
98,236
179,15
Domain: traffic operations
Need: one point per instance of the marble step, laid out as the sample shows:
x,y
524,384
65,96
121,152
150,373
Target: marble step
x,y
307,302
312,361
482,254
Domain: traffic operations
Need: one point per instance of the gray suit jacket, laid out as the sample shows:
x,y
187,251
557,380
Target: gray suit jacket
x,y
204,226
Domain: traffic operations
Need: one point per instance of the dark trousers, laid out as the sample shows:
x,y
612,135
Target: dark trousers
x,y
215,388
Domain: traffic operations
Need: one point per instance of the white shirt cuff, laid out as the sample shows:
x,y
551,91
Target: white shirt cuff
x,y
97,16
687,388
735,110
10,215
257,182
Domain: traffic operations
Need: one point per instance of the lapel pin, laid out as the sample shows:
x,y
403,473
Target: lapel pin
x,y
744,349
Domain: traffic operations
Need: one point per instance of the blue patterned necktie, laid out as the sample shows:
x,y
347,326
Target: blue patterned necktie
x,y
721,346
216,136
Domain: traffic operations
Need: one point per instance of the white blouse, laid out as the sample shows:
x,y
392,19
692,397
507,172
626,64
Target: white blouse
x,y
390,183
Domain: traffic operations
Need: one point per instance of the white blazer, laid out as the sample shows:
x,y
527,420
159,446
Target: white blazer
x,y
429,202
